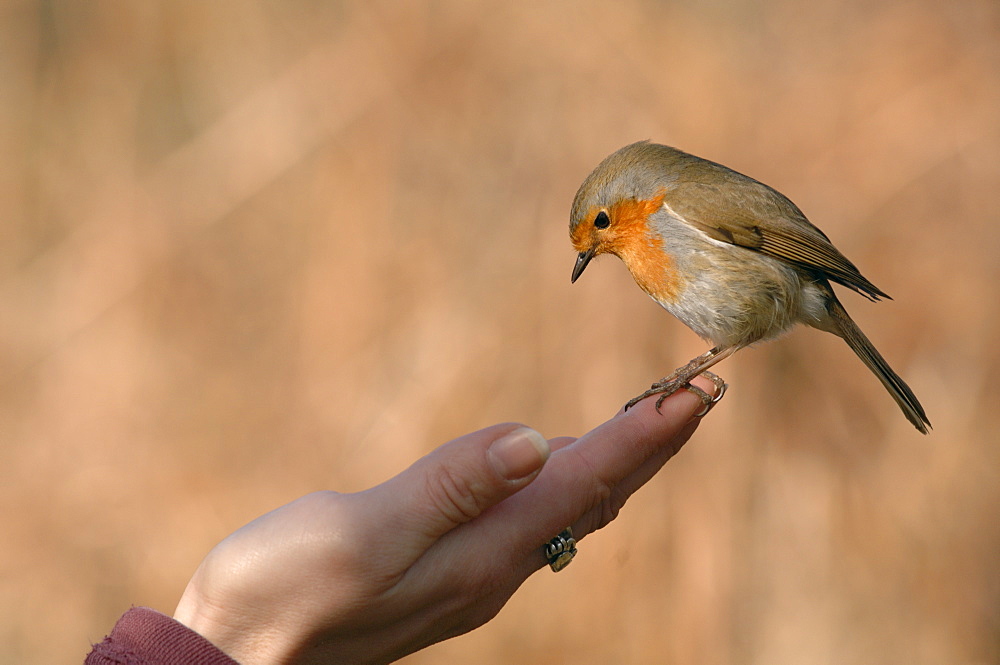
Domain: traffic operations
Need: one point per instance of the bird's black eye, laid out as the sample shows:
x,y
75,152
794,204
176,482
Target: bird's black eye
x,y
602,221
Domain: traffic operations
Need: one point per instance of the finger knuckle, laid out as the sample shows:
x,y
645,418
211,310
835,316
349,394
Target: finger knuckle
x,y
611,506
456,493
606,499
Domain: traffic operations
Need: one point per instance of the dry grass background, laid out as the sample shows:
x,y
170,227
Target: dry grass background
x,y
251,249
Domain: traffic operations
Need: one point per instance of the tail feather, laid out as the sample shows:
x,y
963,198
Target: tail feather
x,y
860,344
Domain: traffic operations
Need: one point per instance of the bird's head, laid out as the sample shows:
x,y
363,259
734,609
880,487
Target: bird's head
x,y
611,211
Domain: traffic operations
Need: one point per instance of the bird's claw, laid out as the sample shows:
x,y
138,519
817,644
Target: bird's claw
x,y
667,386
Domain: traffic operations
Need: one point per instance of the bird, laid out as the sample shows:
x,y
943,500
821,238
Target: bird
x,y
730,257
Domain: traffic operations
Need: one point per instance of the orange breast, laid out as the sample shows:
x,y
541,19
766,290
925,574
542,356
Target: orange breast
x,y
633,241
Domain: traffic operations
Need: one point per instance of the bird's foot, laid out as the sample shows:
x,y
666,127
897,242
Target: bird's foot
x,y
668,385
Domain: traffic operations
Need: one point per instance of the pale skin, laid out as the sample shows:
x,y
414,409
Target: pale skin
x,y
431,553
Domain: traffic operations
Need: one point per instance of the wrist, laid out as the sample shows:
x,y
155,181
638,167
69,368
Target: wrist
x,y
238,636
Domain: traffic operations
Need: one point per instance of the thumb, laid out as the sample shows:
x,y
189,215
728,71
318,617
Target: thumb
x,y
463,478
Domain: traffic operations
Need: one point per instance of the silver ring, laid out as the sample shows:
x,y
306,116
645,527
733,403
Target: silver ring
x,y
560,550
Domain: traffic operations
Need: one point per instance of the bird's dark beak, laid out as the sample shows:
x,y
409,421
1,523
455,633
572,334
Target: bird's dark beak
x,y
581,262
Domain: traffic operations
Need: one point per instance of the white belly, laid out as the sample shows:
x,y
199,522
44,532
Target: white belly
x,y
735,296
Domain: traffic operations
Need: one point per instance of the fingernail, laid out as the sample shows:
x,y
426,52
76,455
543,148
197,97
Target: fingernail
x,y
519,453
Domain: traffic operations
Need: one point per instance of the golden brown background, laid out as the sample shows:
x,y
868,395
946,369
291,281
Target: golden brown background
x,y
255,248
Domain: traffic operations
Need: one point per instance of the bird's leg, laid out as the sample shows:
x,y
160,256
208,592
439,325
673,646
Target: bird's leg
x,y
670,384
681,377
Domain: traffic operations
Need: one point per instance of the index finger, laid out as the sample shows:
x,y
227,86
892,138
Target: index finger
x,y
582,476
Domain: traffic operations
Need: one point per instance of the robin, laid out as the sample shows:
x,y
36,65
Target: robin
x,y
733,259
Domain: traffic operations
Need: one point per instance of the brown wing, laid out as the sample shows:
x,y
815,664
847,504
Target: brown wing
x,y
752,215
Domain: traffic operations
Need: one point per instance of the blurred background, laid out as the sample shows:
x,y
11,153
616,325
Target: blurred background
x,y
253,248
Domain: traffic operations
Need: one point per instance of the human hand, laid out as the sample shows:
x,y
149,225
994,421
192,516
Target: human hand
x,y
431,553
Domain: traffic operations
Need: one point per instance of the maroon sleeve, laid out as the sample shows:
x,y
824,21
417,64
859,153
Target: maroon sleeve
x,y
145,637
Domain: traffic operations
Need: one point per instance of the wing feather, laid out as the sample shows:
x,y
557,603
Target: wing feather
x,y
750,214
